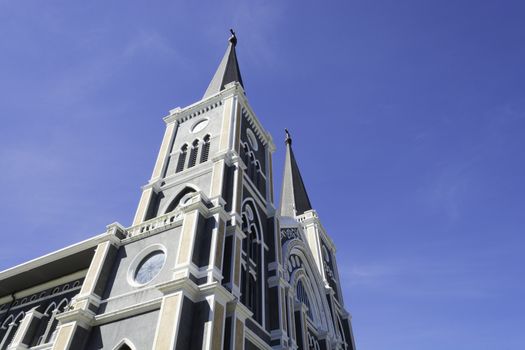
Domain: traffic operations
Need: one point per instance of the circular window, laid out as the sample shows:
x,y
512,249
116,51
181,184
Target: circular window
x,y
252,140
149,267
326,255
198,126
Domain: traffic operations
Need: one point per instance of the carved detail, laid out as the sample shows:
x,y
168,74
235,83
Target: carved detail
x,y
289,234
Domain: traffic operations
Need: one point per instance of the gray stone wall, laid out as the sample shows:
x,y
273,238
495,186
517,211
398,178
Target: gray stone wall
x,y
140,330
119,291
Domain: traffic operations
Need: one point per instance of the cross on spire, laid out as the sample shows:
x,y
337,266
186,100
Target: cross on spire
x,y
228,70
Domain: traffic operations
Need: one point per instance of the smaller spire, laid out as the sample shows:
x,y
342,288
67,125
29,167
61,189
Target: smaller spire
x,y
294,198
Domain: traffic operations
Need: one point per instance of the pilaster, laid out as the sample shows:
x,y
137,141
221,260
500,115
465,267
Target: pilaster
x,y
160,164
75,323
236,265
301,337
184,264
26,329
216,326
169,321
237,314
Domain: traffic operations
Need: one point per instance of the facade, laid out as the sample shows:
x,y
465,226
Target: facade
x,y
208,263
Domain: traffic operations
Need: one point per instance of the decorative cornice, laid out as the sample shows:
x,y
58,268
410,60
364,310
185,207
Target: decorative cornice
x,y
178,178
83,317
127,312
311,217
181,115
254,122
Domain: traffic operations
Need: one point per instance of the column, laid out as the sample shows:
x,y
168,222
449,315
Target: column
x,y
237,314
217,250
214,329
184,266
300,325
169,320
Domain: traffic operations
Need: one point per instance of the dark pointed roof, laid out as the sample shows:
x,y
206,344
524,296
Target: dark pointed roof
x,y
294,199
228,70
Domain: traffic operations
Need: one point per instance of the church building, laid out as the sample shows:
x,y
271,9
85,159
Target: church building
x,y
209,262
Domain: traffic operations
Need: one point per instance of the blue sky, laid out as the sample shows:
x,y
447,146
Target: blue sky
x,y
408,120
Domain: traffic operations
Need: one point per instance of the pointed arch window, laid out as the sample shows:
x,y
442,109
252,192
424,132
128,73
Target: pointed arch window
x,y
193,154
49,323
9,328
252,277
256,175
182,158
302,296
124,344
205,149
178,198
251,165
244,153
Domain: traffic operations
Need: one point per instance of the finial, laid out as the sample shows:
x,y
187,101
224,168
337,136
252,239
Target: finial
x,y
233,38
288,139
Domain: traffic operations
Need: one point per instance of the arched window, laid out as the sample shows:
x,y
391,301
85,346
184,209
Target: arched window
x,y
341,331
182,158
252,278
49,323
302,296
177,200
193,153
124,344
5,330
256,175
245,156
251,165
205,149
313,344
9,328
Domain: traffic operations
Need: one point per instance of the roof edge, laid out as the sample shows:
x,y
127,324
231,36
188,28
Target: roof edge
x,y
58,254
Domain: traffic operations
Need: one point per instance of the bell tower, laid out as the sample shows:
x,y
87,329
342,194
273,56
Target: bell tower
x,y
204,144
217,151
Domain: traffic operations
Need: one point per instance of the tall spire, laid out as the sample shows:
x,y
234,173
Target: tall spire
x,y
228,70
294,199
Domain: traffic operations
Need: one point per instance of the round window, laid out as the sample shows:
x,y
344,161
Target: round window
x,y
150,267
200,125
326,255
252,140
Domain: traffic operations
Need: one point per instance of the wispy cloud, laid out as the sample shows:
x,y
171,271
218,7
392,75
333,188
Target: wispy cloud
x,y
450,185
151,42
416,278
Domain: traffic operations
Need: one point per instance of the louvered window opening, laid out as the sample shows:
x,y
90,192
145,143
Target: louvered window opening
x,y
182,159
193,154
205,149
